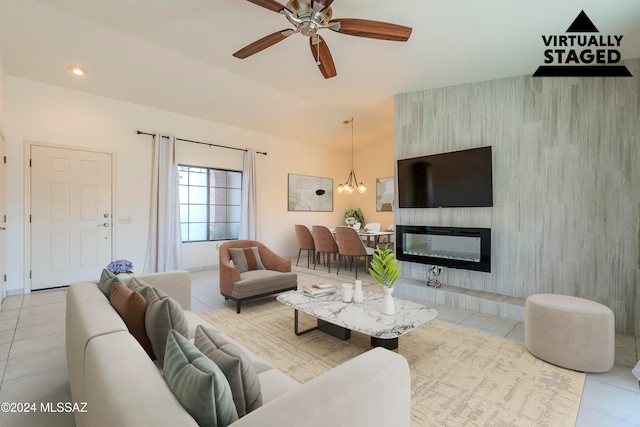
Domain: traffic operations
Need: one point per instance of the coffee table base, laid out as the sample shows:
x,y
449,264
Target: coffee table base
x,y
335,330
388,343
343,333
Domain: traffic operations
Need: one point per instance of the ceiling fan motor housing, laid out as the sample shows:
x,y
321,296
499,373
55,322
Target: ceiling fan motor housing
x,y
307,20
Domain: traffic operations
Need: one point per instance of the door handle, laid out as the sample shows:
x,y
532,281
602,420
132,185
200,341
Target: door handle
x,y
105,224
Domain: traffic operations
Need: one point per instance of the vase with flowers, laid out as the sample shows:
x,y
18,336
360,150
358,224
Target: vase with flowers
x,y
120,266
353,216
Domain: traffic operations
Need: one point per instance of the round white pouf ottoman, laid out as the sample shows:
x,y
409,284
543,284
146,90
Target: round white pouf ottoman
x,y
571,332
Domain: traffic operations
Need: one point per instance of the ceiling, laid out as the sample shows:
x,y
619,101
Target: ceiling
x,y
176,55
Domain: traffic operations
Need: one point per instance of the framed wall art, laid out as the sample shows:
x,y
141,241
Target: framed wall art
x,y
310,193
384,194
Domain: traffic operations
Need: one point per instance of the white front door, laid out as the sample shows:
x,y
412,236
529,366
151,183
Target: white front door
x,y
70,215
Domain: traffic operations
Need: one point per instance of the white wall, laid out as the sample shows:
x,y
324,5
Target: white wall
x,y
373,161
45,113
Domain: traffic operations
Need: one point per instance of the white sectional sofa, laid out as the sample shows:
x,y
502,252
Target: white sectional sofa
x,y
110,371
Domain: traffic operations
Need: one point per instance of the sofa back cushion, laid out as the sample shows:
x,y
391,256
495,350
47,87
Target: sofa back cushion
x,y
246,259
197,383
131,306
236,366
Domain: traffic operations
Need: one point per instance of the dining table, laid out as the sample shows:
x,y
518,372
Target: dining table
x,y
369,235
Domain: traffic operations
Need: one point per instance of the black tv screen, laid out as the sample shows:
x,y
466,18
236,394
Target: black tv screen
x,y
448,180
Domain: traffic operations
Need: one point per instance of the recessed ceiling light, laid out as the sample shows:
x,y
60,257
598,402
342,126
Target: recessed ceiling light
x,y
77,70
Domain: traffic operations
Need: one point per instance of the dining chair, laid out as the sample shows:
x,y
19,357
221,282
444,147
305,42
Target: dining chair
x,y
370,227
350,245
373,226
305,243
325,244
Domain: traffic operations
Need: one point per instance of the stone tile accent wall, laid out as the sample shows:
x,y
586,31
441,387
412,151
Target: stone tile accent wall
x,y
566,182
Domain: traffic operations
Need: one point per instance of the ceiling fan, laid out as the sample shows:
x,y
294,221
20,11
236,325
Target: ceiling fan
x,y
310,16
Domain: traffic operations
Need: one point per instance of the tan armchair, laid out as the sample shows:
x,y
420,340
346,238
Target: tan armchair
x,y
240,287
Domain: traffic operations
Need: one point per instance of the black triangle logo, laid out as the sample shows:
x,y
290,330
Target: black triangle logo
x,y
582,24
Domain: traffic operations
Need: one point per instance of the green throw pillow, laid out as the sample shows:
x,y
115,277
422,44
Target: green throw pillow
x,y
246,259
163,314
197,383
236,366
107,278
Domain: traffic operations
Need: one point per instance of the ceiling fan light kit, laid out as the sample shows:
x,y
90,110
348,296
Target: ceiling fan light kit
x,y
310,16
351,184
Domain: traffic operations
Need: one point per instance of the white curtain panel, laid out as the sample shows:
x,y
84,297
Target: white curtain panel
x,y
164,248
248,214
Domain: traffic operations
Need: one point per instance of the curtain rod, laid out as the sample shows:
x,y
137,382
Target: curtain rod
x,y
198,142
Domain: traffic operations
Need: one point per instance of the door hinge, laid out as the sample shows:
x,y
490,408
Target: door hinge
x,y
29,274
5,160
29,218
4,278
4,218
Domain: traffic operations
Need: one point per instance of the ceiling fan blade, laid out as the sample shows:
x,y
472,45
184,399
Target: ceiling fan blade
x,y
325,3
269,4
263,43
323,57
373,29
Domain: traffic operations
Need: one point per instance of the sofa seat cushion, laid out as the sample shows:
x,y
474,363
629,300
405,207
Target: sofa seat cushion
x,y
275,384
198,383
236,366
258,282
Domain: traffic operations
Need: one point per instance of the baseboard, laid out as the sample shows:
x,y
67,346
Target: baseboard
x,y
206,267
14,292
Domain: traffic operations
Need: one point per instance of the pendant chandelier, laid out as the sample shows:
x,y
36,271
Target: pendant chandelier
x,y
352,182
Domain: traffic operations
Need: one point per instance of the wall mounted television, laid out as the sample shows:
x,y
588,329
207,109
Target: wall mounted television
x,y
458,179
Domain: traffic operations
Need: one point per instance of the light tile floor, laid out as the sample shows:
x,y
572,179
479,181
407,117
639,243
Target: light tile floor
x,y
33,363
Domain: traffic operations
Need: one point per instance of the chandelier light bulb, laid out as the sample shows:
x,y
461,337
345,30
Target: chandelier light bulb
x,y
362,188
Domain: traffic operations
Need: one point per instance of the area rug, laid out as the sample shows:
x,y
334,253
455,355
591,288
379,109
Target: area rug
x,y
459,376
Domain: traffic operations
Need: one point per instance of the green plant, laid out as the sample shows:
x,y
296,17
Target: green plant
x,y
355,213
384,267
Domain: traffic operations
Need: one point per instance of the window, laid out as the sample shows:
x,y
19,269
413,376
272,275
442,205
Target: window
x,y
209,203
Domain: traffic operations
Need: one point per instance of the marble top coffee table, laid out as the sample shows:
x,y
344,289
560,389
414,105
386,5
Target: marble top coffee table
x,y
339,318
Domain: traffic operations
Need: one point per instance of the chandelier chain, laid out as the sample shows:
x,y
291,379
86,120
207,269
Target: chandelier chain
x,y
352,181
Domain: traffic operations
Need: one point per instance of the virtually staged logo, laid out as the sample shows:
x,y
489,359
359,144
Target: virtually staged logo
x,y
582,55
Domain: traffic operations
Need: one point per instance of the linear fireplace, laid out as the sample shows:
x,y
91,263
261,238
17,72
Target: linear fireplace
x,y
454,247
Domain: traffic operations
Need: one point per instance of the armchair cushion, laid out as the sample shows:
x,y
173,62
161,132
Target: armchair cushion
x,y
260,282
246,259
